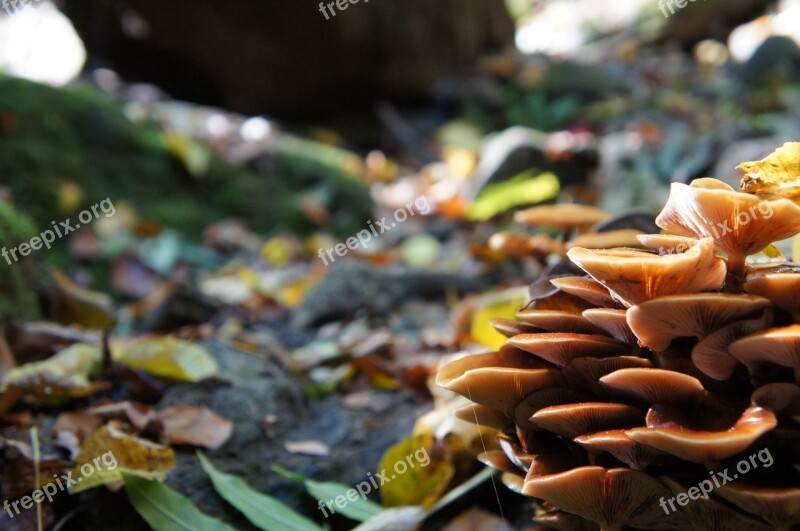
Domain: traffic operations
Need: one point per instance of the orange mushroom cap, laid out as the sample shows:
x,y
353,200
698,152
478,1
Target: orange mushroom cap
x,y
637,276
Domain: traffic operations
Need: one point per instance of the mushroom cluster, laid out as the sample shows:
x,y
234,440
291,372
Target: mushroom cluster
x,y
660,368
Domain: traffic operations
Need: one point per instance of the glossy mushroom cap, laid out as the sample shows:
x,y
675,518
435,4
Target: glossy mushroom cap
x,y
563,216
637,276
658,321
740,224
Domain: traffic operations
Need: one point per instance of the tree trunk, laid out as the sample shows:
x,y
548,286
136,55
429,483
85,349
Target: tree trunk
x,y
282,57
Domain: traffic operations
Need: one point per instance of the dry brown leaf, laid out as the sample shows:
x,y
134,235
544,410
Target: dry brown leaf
x,y
196,426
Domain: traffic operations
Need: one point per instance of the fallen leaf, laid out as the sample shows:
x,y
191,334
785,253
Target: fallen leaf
x,y
77,305
778,175
110,452
139,416
65,375
196,426
504,305
412,480
168,358
315,448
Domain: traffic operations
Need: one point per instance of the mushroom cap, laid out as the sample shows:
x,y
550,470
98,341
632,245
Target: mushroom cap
x,y
711,354
573,420
558,321
563,521
741,224
656,386
706,446
586,288
658,321
779,507
511,328
776,345
637,276
606,240
634,454
499,460
561,348
561,216
505,357
783,289
614,322
707,513
502,388
484,416
783,399
585,373
666,243
612,498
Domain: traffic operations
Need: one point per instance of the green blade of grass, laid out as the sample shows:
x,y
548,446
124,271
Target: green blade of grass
x,y
264,512
166,510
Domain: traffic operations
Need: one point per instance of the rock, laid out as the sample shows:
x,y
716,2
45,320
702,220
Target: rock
x,y
518,149
354,287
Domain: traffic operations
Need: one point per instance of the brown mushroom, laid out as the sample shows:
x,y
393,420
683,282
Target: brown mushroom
x,y
484,416
703,513
562,348
605,240
656,386
572,420
614,322
711,354
564,216
783,399
779,507
666,243
706,446
586,288
511,328
501,387
658,321
558,321
780,346
783,289
636,455
585,373
612,498
741,224
637,276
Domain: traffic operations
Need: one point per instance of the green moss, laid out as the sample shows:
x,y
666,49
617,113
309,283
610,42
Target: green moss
x,y
17,299
78,134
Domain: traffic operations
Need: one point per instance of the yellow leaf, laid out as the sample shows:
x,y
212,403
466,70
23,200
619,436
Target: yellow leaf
x,y
291,295
64,375
777,175
412,475
77,305
110,452
168,358
503,305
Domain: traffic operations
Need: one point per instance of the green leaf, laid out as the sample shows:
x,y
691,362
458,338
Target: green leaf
x,y
264,512
527,188
166,510
359,510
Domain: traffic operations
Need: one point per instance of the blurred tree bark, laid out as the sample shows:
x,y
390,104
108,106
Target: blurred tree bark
x,y
713,19
283,57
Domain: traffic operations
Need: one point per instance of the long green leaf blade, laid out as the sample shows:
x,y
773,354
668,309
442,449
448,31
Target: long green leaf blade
x,y
166,510
264,512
